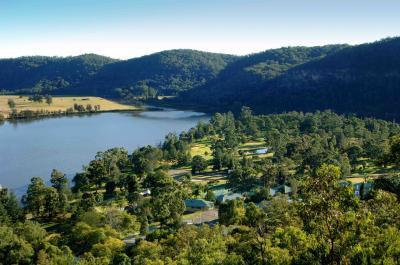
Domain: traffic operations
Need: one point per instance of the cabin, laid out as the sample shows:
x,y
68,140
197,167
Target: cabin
x,y
193,205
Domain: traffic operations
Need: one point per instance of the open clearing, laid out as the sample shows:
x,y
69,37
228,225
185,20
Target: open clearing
x,y
59,104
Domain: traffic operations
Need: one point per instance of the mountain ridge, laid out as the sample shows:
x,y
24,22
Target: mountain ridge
x,y
362,79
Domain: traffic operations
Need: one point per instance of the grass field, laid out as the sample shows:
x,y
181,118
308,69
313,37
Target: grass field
x,y
202,149
59,104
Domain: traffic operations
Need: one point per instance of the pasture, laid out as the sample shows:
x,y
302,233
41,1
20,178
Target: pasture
x,y
58,104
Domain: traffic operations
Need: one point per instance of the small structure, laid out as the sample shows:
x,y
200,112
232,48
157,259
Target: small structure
x,y
280,189
361,189
193,205
262,151
229,197
146,193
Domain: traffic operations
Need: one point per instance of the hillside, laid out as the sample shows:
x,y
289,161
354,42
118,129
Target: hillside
x,y
239,79
362,79
163,73
43,74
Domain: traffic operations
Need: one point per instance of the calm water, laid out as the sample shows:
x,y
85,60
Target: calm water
x,y
34,148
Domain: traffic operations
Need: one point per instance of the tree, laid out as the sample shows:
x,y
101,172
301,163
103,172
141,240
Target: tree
x,y
395,149
121,259
121,221
59,181
243,178
49,99
88,201
231,212
328,211
269,174
11,103
82,182
31,232
199,164
96,172
10,211
145,159
210,196
89,108
13,249
35,198
52,202
167,202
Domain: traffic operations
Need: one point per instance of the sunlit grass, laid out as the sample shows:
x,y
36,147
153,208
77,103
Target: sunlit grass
x,y
59,104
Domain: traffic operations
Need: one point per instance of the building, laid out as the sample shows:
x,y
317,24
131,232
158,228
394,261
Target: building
x,y
361,189
193,205
146,193
262,151
229,197
280,189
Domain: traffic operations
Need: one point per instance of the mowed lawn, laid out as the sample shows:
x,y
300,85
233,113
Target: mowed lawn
x,y
59,104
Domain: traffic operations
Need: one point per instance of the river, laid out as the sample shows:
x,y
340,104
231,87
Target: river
x,y
34,147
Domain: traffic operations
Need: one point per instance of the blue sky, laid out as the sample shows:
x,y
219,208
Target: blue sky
x,y
125,29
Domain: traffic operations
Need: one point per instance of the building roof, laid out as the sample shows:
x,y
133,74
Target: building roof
x,y
281,188
262,151
198,203
229,197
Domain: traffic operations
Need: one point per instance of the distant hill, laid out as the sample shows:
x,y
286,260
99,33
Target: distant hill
x,y
362,79
166,73
163,73
48,74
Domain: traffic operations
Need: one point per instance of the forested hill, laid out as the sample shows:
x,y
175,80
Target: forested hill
x,y
46,74
363,79
163,73
240,79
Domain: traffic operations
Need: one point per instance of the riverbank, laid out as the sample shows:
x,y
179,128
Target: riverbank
x,y
18,107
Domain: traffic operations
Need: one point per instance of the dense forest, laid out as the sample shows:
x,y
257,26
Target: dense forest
x,y
164,73
362,79
240,79
43,75
323,189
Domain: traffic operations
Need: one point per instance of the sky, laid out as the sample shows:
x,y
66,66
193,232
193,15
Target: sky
x,y
130,28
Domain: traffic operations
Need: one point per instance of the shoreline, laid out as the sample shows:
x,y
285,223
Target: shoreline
x,y
64,114
61,106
